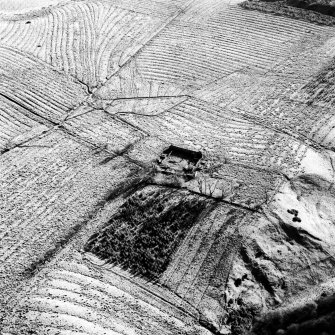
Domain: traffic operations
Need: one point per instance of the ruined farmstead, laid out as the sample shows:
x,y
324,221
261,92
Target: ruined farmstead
x,y
167,167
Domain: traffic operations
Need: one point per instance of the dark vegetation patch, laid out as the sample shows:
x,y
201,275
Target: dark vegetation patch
x,y
241,320
239,281
295,213
320,89
143,235
296,219
316,12
322,7
315,318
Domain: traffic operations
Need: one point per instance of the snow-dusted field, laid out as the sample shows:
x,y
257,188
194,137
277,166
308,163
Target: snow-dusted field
x,y
93,93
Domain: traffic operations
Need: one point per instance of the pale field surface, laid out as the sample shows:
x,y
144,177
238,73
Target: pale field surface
x,y
21,6
92,95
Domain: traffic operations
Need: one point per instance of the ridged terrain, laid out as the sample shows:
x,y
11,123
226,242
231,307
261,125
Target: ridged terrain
x,y
35,88
104,101
152,8
51,187
222,134
287,98
191,53
205,256
103,130
13,122
87,39
74,300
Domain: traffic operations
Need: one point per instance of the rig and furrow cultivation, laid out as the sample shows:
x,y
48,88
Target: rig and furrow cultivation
x,y
77,297
53,184
186,56
89,40
13,122
36,87
103,130
159,8
279,99
193,259
168,166
222,134
18,7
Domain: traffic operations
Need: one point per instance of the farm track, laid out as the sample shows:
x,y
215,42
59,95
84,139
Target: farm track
x,y
92,90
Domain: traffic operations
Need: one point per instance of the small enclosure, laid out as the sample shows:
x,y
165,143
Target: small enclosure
x,y
179,160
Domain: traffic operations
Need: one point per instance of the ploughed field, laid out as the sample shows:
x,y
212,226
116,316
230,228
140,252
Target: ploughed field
x,y
167,167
